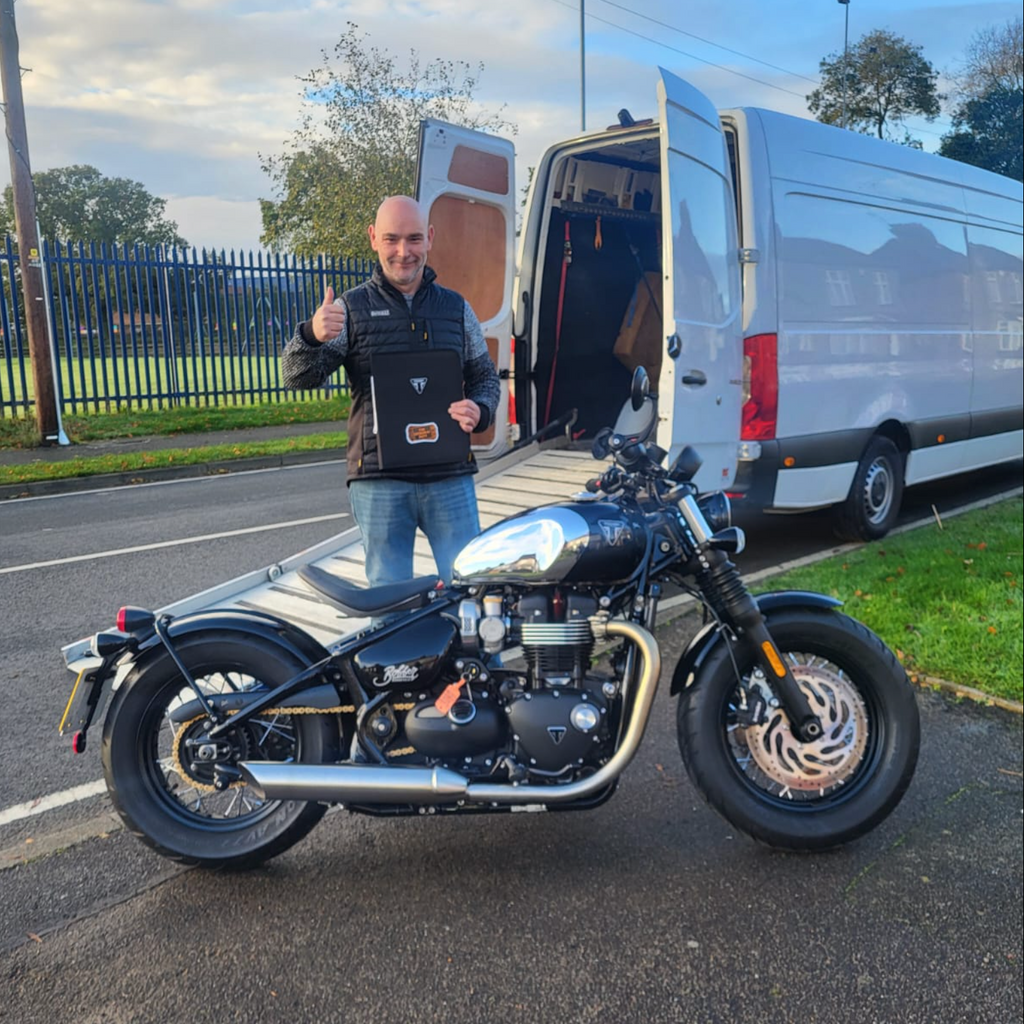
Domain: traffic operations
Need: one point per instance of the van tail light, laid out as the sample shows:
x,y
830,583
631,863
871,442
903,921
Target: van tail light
x,y
760,387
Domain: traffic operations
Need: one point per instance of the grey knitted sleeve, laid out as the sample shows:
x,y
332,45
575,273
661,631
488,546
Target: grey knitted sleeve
x,y
478,372
308,364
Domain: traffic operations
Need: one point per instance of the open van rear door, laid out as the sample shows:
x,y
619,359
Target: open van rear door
x,y
465,181
700,390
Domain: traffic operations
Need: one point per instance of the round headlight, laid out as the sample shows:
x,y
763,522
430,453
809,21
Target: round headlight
x,y
716,510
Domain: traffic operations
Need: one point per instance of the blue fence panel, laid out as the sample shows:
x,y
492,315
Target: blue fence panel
x,y
144,327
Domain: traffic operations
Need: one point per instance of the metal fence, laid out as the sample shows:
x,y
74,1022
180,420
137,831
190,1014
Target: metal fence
x,y
148,327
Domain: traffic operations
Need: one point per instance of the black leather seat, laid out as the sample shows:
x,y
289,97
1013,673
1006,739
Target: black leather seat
x,y
391,597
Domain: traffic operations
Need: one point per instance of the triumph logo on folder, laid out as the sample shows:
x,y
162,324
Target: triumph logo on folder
x,y
419,384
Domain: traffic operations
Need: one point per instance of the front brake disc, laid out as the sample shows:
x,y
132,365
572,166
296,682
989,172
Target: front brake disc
x,y
824,762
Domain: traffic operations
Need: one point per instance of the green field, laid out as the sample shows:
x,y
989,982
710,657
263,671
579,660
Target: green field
x,y
210,380
946,598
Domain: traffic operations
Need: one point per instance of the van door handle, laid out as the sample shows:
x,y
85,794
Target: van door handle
x,y
695,378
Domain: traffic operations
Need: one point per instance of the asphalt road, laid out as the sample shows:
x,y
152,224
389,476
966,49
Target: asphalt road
x,y
649,909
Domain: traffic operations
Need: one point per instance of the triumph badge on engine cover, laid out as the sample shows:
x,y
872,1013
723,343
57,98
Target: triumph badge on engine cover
x,y
560,729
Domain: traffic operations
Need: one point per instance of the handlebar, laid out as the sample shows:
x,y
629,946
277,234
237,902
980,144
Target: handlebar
x,y
610,481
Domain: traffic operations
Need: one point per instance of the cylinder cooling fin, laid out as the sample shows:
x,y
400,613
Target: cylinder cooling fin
x,y
558,648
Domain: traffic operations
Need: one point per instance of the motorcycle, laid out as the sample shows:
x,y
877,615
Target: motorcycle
x,y
525,684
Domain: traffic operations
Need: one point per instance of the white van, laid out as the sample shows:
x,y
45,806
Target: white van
x,y
828,316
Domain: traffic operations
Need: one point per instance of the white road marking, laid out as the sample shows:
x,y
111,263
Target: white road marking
x,y
116,489
52,800
172,543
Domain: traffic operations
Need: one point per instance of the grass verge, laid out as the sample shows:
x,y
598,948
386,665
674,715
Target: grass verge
x,y
21,432
946,598
37,472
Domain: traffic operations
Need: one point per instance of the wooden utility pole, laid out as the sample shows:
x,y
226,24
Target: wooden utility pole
x,y
29,260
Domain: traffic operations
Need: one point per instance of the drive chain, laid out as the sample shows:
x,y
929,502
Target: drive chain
x,y
341,709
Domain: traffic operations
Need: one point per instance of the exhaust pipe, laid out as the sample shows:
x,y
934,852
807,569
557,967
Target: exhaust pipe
x,y
380,784
352,783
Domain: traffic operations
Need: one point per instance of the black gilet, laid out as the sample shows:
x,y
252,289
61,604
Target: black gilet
x,y
379,320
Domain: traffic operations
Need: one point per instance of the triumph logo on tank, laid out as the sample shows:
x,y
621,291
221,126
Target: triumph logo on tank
x,y
419,384
615,533
400,674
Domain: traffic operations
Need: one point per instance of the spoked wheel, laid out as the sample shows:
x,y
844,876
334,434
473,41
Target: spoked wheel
x,y
741,753
173,784
186,764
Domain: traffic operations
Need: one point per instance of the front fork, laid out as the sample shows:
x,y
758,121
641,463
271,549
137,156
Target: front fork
x,y
722,585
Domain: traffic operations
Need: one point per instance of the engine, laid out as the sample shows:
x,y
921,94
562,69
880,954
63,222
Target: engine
x,y
511,695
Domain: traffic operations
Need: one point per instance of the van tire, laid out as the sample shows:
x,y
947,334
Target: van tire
x,y
873,504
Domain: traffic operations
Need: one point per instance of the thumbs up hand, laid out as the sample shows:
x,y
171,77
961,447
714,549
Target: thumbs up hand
x,y
329,319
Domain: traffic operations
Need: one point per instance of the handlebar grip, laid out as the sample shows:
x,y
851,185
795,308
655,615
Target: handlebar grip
x,y
594,485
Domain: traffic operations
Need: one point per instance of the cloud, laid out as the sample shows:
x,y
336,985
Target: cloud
x,y
183,95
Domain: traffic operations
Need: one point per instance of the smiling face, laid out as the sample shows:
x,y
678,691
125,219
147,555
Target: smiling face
x,y
401,239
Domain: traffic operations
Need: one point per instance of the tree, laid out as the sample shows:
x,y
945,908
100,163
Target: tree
x,y
356,143
994,59
887,80
989,132
79,204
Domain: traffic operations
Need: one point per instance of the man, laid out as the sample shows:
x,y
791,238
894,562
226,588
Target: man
x,y
400,309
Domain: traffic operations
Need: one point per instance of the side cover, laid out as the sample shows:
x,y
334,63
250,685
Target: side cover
x,y
465,180
700,391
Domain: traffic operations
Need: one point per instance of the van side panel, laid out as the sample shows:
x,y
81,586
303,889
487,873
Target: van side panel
x,y
870,295
873,288
997,304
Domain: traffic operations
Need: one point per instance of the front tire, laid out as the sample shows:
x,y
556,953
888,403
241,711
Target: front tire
x,y
153,766
787,794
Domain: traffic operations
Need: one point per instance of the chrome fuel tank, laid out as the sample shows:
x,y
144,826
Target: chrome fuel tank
x,y
579,542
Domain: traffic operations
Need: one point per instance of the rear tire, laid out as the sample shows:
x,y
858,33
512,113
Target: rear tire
x,y
796,796
161,789
873,505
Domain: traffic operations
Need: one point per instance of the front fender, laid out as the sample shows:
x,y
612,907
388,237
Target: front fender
x,y
710,637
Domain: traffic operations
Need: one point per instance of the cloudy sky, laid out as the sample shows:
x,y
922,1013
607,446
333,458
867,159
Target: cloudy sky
x,y
183,95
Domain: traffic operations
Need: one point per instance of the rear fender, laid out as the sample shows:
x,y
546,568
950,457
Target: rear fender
x,y
710,637
258,625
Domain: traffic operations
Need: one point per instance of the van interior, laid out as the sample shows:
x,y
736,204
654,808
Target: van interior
x,y
600,277
599,296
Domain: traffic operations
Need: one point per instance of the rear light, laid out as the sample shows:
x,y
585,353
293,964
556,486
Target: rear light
x,y
78,742
761,387
135,620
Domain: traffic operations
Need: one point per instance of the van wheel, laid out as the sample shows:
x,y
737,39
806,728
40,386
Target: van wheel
x,y
875,495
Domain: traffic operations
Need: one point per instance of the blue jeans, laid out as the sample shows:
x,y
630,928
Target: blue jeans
x,y
388,512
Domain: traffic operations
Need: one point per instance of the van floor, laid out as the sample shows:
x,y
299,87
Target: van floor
x,y
600,284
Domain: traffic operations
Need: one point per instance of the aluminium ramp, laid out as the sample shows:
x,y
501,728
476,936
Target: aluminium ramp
x,y
505,487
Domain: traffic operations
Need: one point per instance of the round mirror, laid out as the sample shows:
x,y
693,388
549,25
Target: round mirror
x,y
639,389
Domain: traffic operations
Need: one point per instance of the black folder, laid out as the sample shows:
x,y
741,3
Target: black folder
x,y
411,394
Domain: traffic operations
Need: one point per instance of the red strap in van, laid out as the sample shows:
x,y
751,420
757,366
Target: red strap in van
x,y
566,260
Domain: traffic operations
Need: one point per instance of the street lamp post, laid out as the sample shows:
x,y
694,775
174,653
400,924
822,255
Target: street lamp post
x,y
583,73
846,51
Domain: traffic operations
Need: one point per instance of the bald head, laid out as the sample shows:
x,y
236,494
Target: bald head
x,y
401,238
